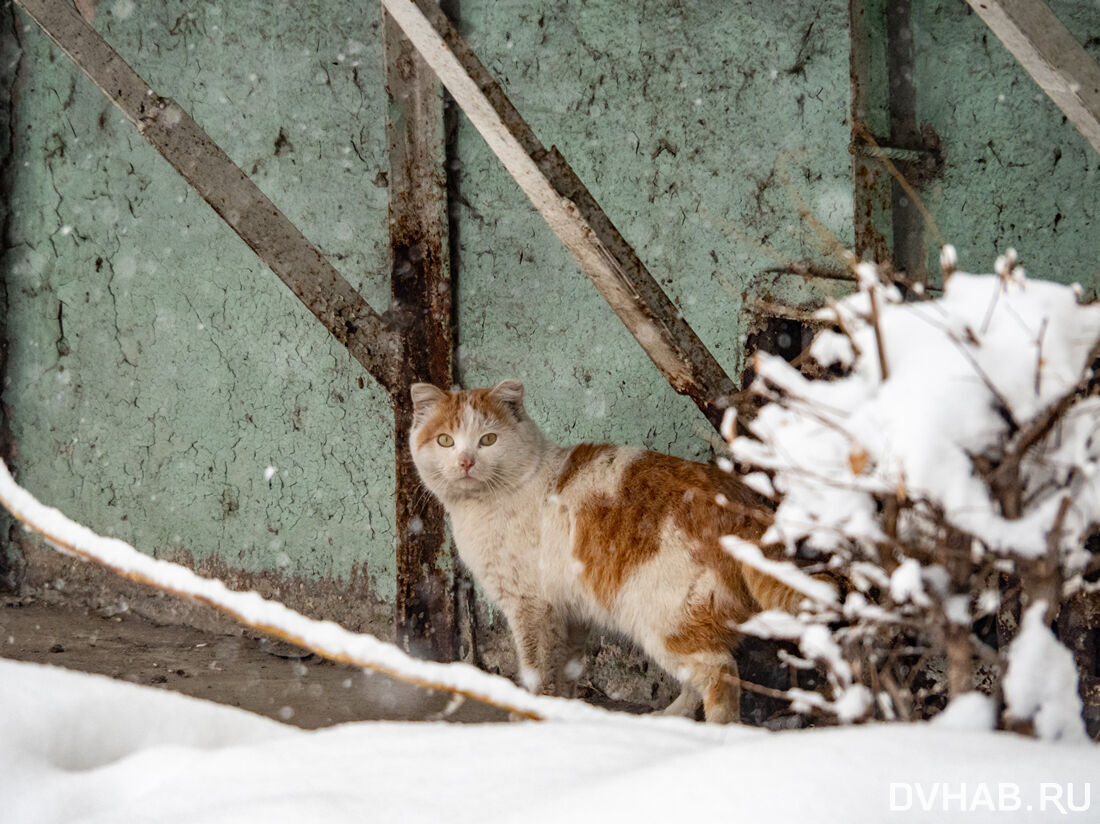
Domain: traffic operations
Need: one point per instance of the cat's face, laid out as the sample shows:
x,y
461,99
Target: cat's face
x,y
472,443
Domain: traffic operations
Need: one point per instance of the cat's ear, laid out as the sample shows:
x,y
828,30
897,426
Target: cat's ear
x,y
510,393
424,397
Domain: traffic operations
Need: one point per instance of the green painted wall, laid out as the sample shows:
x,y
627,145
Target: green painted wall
x,y
697,127
156,369
1016,172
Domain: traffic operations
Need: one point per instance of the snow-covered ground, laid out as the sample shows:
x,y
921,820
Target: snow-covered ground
x,y
78,748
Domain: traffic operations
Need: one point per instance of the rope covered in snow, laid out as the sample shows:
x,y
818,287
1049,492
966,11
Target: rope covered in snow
x,y
325,638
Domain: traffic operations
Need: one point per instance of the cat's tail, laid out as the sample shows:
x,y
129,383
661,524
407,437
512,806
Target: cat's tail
x,y
771,593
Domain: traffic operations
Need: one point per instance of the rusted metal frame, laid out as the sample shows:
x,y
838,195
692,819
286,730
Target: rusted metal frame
x,y
871,190
887,140
573,214
1051,55
414,345
222,184
905,133
421,307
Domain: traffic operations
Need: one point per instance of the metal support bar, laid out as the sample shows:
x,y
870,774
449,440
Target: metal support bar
x,y
222,184
573,214
421,306
908,234
870,182
1051,55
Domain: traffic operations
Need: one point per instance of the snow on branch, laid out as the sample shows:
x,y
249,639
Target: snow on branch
x,y
992,363
942,458
325,638
783,571
1040,685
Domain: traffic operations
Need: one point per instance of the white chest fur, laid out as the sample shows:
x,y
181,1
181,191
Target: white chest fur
x,y
517,544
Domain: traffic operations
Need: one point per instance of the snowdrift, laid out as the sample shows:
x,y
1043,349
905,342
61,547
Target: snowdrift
x,y
83,749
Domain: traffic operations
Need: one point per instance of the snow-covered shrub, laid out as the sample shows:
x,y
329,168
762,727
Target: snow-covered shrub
x,y
944,465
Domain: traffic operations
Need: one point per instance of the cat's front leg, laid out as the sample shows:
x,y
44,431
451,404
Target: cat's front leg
x,y
540,634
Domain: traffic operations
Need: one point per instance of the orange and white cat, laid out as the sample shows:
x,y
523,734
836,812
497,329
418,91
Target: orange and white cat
x,y
561,538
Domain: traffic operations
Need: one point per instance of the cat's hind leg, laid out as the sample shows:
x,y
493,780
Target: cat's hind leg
x,y
568,665
709,674
714,676
686,703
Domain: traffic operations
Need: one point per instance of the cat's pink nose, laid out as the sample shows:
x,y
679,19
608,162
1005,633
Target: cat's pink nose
x,y
466,462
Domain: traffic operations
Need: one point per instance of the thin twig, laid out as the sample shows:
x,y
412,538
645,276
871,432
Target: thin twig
x,y
902,704
832,304
1043,422
865,133
1039,356
1050,576
879,345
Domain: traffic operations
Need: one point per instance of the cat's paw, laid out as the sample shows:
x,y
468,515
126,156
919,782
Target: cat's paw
x,y
531,680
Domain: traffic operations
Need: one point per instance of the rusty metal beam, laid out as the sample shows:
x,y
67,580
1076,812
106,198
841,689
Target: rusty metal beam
x,y
421,306
1051,55
870,181
222,184
558,194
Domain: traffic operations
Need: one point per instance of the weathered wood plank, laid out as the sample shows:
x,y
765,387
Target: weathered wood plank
x,y
222,184
421,307
1051,55
573,214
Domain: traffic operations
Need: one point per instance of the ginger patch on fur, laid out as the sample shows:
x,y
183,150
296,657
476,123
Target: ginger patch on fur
x,y
446,416
617,532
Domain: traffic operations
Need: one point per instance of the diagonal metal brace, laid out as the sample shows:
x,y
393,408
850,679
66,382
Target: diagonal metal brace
x,y
222,184
1050,54
566,205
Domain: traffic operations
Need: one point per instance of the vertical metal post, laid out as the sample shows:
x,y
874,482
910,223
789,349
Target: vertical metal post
x,y
887,138
421,308
570,210
870,179
904,134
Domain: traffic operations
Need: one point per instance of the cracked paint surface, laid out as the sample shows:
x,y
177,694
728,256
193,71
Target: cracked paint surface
x,y
167,389
1016,174
158,372
164,387
698,127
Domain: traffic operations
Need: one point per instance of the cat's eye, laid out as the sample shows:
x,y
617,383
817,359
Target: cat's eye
x,y
445,440
488,440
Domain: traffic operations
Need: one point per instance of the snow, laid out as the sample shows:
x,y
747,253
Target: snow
x,y
1041,682
759,482
970,711
728,429
84,749
905,584
324,637
783,571
949,259
992,347
960,418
